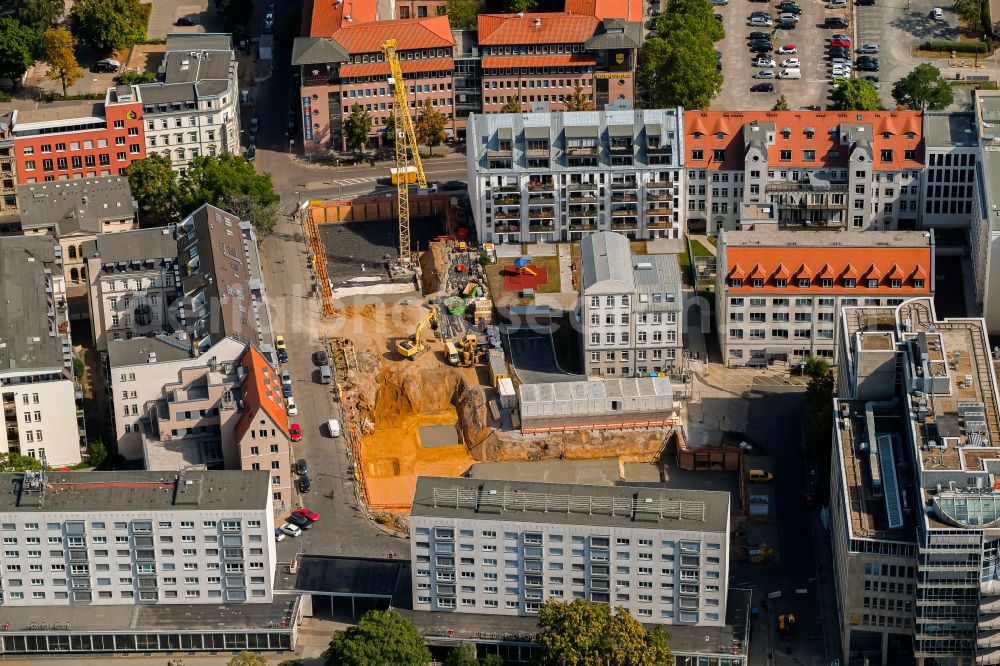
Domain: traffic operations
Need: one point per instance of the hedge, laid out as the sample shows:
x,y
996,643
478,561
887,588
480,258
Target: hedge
x,y
958,47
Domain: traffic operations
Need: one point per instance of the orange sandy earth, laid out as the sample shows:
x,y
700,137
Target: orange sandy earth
x,y
394,458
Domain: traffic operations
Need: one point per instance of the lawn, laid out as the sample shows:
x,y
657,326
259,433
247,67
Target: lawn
x,y
700,250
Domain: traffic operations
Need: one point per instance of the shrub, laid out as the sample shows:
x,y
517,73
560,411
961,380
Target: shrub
x,y
958,47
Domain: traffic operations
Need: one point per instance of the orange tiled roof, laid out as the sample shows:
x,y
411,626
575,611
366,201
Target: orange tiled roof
x,y
885,263
781,272
572,59
416,33
261,391
329,16
708,131
552,28
629,10
408,67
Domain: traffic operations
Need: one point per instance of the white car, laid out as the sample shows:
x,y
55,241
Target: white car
x,y
790,62
764,61
842,62
333,427
787,49
291,530
840,71
759,22
937,14
788,17
291,407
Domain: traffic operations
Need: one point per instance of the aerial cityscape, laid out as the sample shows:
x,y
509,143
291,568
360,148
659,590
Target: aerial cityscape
x,y
461,332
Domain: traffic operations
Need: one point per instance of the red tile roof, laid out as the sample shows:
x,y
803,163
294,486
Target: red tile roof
x,y
573,59
708,131
815,263
329,16
629,10
260,391
408,67
416,33
552,28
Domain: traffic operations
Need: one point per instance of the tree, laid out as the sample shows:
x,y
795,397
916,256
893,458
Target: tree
x,y
109,25
97,453
819,405
380,637
580,101
220,180
79,368
357,127
247,659
132,78
816,367
389,135
263,216
512,105
856,94
515,6
154,185
463,13
39,14
923,89
57,50
970,11
781,104
463,655
15,462
591,634
18,49
492,659
430,126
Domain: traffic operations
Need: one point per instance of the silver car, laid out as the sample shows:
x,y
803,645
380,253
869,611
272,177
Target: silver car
x,y
868,48
764,74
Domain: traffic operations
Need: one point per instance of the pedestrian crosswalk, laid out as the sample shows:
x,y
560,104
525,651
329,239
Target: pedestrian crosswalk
x,y
355,181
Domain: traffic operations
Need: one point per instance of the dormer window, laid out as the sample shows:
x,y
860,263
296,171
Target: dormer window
x,y
872,283
918,283
826,282
735,282
786,134
698,135
810,132
757,283
804,283
849,283
781,283
720,135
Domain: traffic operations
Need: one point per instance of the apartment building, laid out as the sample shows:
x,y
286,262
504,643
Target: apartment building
x,y
951,147
8,165
74,212
630,307
779,293
660,553
984,234
544,57
194,108
85,141
133,278
914,500
548,177
40,415
405,9
216,526
217,413
845,170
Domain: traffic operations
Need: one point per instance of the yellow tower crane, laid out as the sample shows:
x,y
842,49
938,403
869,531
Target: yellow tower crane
x,y
407,154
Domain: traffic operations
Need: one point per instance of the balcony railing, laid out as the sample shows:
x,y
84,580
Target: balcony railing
x,y
583,187
543,198
582,227
623,212
624,197
541,214
541,186
537,152
659,196
801,186
582,198
507,188
504,200
658,184
507,228
580,151
584,212
625,225
507,215
541,228
623,185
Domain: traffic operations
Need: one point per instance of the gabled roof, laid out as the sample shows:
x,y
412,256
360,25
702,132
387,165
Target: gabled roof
x,y
850,272
606,257
317,51
803,272
536,28
329,16
780,272
737,272
630,10
417,33
895,273
757,271
826,272
919,273
260,391
873,273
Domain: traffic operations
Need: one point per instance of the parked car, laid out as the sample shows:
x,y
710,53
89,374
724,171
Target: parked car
x,y
291,530
279,534
721,3
868,66
874,80
764,61
759,14
320,358
868,48
251,153
291,407
333,427
839,35
254,126
295,432
836,4
300,520
761,47
718,17
764,74
286,390
762,87
761,22
866,2
787,49
186,21
246,99
788,18
106,66
835,22
937,14
308,513
305,485
839,52
300,467
754,36
843,43
789,8
790,62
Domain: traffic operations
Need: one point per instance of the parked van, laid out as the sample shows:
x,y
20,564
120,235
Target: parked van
x,y
325,375
790,73
760,476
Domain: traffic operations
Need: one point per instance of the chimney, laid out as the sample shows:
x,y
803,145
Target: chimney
x,y
538,22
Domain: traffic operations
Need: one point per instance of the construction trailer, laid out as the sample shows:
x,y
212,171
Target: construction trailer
x,y
598,404
498,366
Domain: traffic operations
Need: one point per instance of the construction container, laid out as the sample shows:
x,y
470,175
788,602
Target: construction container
x,y
409,175
508,398
498,367
483,312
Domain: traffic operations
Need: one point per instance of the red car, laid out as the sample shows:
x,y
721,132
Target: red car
x,y
307,513
846,43
296,431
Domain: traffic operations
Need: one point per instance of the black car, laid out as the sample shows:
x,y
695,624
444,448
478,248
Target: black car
x,y
840,53
300,467
300,521
106,66
320,357
718,17
789,8
835,22
867,67
282,356
186,20
762,87
305,485
754,36
866,2
251,153
762,47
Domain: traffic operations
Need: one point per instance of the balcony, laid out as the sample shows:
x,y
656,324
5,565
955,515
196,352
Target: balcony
x,y
542,198
657,148
987,605
537,151
625,225
664,224
806,186
623,185
532,595
507,188
621,147
659,185
507,215
582,151
545,213
659,211
507,228
582,198
600,556
600,585
624,212
659,196
582,212
505,198
583,187
624,197
547,185
540,228
988,657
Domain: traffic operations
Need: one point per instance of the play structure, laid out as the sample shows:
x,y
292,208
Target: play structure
x,y
523,266
523,275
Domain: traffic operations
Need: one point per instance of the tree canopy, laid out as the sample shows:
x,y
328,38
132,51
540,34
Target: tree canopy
x,y
39,14
15,462
971,12
580,101
221,180
515,6
856,94
19,46
109,25
781,104
463,13
235,13
247,659
513,104
584,633
463,655
357,127
678,66
155,188
380,637
57,50
923,89
132,78
430,126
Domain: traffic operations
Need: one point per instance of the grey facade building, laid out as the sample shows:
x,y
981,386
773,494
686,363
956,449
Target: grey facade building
x,y
984,234
502,548
915,508
630,307
951,154
546,177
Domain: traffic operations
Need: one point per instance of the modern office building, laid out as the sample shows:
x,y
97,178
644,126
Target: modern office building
x,y
984,234
951,155
40,414
547,177
194,108
502,548
75,212
779,293
845,169
914,508
631,308
109,538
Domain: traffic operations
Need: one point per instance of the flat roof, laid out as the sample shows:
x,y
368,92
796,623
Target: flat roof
x,y
950,129
635,507
136,351
347,576
60,111
75,205
137,245
29,322
235,490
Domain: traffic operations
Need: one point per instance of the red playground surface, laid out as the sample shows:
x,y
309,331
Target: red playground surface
x,y
514,280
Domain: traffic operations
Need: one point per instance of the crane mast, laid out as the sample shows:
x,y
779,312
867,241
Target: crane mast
x,y
407,153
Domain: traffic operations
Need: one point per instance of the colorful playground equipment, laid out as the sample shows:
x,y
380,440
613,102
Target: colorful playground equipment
x,y
523,266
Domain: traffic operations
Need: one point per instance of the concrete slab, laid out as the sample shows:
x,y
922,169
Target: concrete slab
x,y
599,472
432,436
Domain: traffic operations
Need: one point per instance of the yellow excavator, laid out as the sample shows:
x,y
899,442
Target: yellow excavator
x,y
414,344
463,352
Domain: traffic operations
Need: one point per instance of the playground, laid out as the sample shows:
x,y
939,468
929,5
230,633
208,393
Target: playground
x,y
508,278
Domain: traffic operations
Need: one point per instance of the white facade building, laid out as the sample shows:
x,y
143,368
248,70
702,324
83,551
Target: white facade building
x,y
39,417
546,177
503,548
630,308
